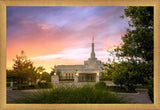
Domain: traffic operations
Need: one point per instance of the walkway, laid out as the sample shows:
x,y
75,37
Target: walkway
x,y
135,98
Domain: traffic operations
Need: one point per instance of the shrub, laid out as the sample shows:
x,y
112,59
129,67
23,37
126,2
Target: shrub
x,y
23,86
150,81
73,94
45,85
26,86
32,86
150,92
8,84
100,85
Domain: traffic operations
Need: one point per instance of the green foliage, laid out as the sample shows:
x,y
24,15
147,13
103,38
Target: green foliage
x,y
45,85
120,89
59,73
37,74
52,72
7,84
150,87
151,93
100,85
40,85
128,73
22,69
25,86
24,72
73,94
136,52
46,76
140,16
138,41
10,75
105,77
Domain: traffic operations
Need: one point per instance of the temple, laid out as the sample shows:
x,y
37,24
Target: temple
x,y
89,72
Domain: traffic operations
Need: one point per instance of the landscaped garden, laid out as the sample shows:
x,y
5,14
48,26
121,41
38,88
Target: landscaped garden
x,y
72,94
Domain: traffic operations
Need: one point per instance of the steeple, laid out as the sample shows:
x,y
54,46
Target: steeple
x,y
92,39
92,53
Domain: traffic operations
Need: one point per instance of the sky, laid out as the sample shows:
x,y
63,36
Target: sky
x,y
62,35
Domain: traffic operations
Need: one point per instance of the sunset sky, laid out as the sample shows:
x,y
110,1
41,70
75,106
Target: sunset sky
x,y
62,35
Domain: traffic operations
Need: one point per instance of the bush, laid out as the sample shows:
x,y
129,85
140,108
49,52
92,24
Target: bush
x,y
45,85
150,93
130,88
26,86
32,86
100,85
23,86
85,94
8,84
119,89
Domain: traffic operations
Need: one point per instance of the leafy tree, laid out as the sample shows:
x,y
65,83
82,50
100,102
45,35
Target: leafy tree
x,y
10,75
127,73
138,41
37,72
22,69
59,73
52,72
136,51
150,87
40,69
46,76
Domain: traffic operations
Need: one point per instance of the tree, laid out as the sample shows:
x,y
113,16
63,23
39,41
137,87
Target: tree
x,y
52,72
46,76
22,69
59,73
138,41
37,73
136,51
10,75
127,73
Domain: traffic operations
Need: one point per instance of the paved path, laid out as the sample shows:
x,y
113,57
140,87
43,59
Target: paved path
x,y
135,98
128,97
13,95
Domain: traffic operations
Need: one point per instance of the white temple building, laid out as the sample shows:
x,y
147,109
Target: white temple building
x,y
89,72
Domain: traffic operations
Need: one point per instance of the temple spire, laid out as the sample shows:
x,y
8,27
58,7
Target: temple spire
x,y
93,39
93,53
